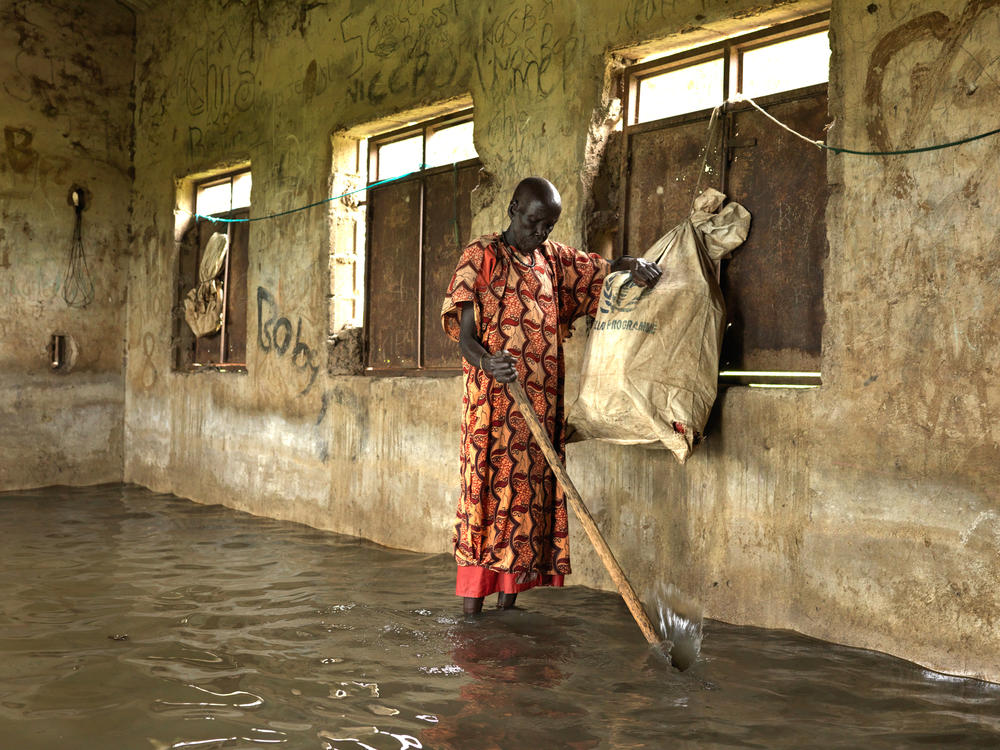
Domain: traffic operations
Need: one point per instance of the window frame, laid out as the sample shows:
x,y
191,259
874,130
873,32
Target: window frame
x,y
220,179
731,52
186,361
425,128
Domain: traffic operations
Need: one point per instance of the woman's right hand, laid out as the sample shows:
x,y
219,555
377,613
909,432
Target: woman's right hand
x,y
502,366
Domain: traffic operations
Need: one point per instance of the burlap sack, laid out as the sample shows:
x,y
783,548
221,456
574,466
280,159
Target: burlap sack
x,y
203,308
203,304
651,366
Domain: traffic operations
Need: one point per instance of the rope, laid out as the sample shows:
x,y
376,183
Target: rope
x,y
736,99
839,150
708,145
386,181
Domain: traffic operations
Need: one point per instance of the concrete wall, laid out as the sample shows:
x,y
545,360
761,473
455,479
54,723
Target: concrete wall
x,y
864,512
65,80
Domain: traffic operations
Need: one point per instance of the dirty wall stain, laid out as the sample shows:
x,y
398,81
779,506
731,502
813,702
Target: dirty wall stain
x,y
928,83
17,148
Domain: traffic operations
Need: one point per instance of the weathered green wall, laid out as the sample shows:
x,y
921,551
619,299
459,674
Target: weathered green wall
x,y
864,512
65,79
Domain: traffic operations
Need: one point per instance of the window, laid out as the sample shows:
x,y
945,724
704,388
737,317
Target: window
x,y
416,227
211,327
773,283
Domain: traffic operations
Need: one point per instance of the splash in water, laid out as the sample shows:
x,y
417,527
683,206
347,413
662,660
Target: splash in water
x,y
680,625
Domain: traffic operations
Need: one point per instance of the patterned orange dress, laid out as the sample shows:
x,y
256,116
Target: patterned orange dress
x,y
511,529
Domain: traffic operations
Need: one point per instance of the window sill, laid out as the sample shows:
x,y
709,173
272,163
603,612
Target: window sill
x,y
239,369
759,379
410,373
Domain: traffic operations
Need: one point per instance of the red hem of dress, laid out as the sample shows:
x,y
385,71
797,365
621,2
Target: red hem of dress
x,y
476,581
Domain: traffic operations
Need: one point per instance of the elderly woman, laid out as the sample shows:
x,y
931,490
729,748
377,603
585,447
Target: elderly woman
x,y
510,305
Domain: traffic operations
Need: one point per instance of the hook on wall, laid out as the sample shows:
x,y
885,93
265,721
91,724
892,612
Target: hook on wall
x,y
78,197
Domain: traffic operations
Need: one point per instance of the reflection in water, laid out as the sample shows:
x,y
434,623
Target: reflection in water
x,y
511,700
248,699
246,632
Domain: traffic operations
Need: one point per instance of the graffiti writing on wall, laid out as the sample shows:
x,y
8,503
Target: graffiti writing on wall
x,y
28,165
526,55
17,148
243,135
414,40
638,14
522,51
33,283
275,338
941,54
148,374
221,76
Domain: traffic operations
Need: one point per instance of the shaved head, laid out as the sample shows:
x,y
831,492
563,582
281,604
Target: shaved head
x,y
534,209
536,188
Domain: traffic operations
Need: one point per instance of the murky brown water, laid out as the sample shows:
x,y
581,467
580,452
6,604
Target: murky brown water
x,y
244,633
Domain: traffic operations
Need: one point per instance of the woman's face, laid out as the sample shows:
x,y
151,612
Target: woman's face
x,y
531,223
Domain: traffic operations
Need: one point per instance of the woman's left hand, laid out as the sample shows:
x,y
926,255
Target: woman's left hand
x,y
644,272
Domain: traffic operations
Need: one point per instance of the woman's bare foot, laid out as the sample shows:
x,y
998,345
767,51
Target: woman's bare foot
x,y
505,601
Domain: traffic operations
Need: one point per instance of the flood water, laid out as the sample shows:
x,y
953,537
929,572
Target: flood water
x,y
136,620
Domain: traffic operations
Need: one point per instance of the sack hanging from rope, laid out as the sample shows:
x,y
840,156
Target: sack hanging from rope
x,y
203,305
651,367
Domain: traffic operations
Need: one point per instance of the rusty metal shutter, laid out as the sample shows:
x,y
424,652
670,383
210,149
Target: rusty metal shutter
x,y
416,229
773,284
393,264
447,222
207,350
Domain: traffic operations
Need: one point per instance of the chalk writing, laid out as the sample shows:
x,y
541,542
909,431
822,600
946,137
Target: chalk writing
x,y
274,334
235,138
415,40
23,160
17,148
522,52
34,282
289,176
640,13
524,58
221,77
923,86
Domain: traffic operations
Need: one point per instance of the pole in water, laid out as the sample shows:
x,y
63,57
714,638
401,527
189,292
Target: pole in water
x,y
590,528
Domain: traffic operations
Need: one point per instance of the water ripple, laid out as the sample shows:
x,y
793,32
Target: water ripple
x,y
238,632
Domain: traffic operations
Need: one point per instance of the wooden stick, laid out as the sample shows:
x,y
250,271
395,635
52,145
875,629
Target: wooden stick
x,y
586,520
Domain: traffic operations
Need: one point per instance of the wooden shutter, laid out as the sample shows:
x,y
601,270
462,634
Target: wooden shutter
x,y
447,218
393,268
